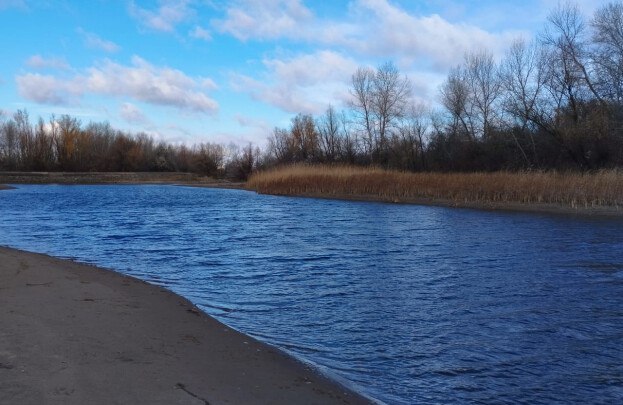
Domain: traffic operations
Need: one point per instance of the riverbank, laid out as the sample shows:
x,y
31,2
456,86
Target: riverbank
x,y
596,194
190,179
72,333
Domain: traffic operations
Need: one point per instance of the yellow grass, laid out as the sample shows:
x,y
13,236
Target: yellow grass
x,y
576,190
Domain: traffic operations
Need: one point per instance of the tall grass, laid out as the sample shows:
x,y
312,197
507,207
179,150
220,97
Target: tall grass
x,y
576,190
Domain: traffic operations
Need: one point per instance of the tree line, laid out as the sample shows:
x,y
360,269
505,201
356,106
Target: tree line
x,y
552,103
64,144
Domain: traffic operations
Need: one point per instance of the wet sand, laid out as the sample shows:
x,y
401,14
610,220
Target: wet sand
x,y
75,334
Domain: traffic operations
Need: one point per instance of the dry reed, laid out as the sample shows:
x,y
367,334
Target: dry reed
x,y
575,190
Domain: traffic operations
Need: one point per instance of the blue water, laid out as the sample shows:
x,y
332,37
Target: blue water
x,y
408,304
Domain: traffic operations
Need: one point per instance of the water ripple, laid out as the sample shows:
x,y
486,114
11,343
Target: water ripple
x,y
408,304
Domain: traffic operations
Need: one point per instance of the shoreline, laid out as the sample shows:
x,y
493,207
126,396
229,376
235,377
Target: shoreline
x,y
73,333
517,207
117,178
193,180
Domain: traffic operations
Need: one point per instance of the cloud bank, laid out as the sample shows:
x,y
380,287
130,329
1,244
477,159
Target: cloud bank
x,y
140,81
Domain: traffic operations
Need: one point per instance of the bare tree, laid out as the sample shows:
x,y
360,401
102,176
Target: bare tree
x,y
329,131
522,75
484,90
305,138
570,84
350,144
362,104
607,56
391,95
242,162
43,151
410,141
9,145
280,146
455,97
379,101
209,158
566,36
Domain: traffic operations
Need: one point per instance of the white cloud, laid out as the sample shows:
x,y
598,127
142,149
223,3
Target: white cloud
x,y
264,19
46,89
400,33
166,17
151,84
141,81
372,29
40,62
250,122
132,114
200,33
95,42
208,83
305,84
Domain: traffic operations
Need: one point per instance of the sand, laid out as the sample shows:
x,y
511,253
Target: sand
x,y
76,334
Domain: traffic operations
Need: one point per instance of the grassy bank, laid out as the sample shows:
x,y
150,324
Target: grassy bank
x,y
603,189
113,178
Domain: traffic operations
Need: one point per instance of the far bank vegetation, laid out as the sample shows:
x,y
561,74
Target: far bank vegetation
x,y
574,190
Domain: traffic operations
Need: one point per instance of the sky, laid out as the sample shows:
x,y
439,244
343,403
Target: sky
x,y
190,71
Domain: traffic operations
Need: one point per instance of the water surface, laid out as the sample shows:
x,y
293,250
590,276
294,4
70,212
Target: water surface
x,y
408,304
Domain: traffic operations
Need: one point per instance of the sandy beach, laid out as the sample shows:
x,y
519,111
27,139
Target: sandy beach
x,y
75,334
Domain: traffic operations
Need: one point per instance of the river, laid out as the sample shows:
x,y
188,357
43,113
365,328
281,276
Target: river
x,y
405,303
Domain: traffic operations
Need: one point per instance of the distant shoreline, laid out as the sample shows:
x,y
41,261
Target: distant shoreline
x,y
75,333
592,195
194,180
597,212
71,178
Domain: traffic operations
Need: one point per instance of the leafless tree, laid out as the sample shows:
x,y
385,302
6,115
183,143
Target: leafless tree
x,y
242,162
522,74
410,140
305,138
362,104
379,101
280,148
328,127
9,145
209,158
566,37
455,97
484,90
607,37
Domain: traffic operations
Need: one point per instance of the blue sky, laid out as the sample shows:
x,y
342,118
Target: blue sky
x,y
190,71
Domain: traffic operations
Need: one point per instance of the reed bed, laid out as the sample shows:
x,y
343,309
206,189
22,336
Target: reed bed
x,y
574,190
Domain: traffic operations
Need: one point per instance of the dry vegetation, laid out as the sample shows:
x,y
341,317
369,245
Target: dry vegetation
x,y
112,178
572,190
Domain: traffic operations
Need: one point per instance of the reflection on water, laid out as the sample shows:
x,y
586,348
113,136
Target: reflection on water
x,y
410,304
